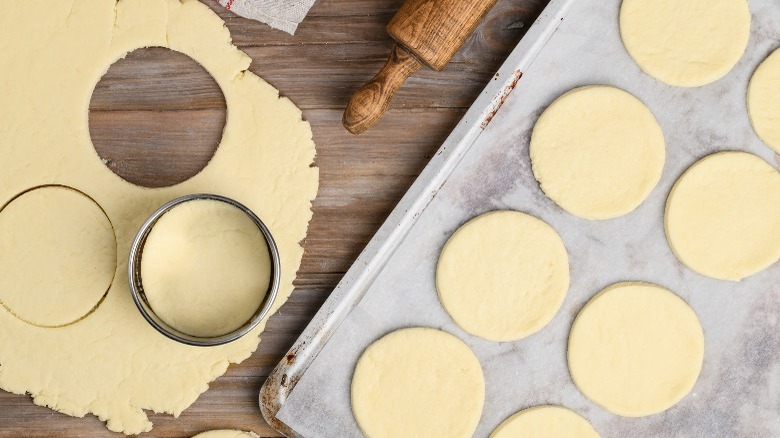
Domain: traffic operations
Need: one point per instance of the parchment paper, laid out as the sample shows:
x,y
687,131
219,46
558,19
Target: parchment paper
x,y
738,392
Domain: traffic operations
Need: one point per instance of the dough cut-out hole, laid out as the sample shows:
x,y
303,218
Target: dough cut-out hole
x,y
58,256
156,117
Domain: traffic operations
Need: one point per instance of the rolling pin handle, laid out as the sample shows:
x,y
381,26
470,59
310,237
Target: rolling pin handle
x,y
370,102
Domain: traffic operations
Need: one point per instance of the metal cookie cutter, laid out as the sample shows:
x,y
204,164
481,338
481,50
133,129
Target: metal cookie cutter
x,y
137,289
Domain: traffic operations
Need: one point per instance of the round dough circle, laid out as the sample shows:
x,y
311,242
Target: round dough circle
x,y
635,349
205,268
57,256
763,95
545,422
685,43
418,382
723,216
503,275
597,151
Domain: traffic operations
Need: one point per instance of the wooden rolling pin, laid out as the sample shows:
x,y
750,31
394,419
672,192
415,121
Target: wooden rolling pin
x,y
427,32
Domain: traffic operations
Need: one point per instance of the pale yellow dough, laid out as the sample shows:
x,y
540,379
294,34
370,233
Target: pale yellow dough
x,y
205,268
687,43
226,433
418,383
635,349
503,275
57,256
545,422
763,98
597,151
723,216
52,53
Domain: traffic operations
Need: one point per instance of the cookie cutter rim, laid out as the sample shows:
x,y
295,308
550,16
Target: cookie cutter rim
x,y
141,302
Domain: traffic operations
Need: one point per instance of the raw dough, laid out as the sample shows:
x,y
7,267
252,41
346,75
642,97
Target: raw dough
x,y
686,43
226,434
205,268
597,151
52,54
545,422
503,275
635,349
418,382
763,97
57,256
723,216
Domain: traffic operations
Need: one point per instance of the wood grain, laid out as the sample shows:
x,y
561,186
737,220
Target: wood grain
x,y
338,47
434,30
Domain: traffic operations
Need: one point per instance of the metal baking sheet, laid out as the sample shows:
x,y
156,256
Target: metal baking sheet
x,y
484,166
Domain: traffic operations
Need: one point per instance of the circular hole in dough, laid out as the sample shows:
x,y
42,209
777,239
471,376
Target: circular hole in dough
x,y
545,422
686,43
635,349
189,117
503,275
418,382
205,268
597,151
57,256
723,216
763,98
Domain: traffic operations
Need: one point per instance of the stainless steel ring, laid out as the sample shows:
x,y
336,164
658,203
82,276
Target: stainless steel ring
x,y
136,284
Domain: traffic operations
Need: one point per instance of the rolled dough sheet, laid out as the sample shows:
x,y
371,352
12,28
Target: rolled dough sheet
x,y
635,349
597,151
57,256
685,43
763,98
226,433
503,275
205,268
52,54
418,383
723,216
545,422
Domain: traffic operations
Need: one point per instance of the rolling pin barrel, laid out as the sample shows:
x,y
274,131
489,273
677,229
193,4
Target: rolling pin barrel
x,y
428,32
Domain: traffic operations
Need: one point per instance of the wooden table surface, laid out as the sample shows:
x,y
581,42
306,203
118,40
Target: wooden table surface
x,y
156,118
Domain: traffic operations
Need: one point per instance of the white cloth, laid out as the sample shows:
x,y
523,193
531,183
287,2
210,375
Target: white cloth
x,y
279,14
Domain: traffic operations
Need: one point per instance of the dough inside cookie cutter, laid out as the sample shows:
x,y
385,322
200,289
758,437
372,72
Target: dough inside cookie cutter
x,y
57,256
141,301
